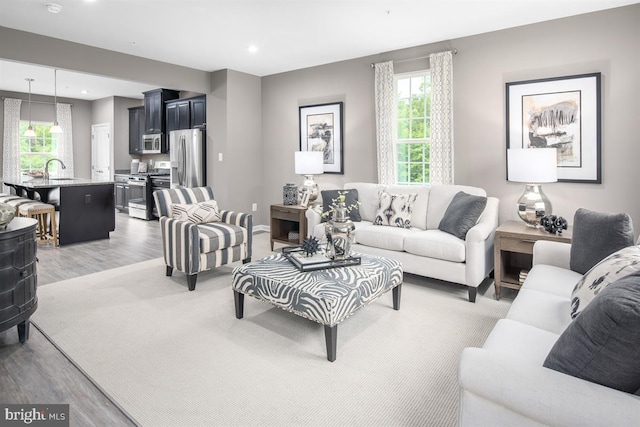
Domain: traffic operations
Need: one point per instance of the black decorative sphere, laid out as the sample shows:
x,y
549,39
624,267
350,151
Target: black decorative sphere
x,y
554,224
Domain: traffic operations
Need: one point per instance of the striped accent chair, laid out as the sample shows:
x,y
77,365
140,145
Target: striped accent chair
x,y
194,247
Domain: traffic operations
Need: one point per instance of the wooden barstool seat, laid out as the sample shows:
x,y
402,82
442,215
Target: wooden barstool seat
x,y
45,214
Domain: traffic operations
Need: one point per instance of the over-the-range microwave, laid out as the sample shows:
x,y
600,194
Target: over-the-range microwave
x,y
151,143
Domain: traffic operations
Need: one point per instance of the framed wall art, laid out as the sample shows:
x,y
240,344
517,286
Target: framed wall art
x,y
562,113
321,130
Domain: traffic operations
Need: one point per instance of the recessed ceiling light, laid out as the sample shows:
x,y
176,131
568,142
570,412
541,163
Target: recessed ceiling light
x,y
252,48
84,91
53,7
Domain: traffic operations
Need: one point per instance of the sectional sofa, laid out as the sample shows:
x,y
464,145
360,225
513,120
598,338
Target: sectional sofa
x,y
424,249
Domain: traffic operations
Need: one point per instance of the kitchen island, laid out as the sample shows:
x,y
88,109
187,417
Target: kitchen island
x,y
86,207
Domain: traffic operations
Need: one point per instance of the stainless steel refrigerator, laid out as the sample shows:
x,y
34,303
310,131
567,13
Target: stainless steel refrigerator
x,y
187,155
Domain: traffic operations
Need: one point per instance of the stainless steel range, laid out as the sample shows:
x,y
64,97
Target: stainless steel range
x,y
141,186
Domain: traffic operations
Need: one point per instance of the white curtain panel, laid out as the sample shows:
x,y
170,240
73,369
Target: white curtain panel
x,y
65,139
385,122
441,162
11,148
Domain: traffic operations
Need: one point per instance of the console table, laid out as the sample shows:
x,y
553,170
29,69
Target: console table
x,y
513,251
18,279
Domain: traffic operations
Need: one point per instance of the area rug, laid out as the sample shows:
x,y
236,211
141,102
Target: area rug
x,y
171,357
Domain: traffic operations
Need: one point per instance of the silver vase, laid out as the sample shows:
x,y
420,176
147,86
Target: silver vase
x,y
340,233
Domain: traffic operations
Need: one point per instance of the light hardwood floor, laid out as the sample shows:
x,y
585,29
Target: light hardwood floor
x,y
37,372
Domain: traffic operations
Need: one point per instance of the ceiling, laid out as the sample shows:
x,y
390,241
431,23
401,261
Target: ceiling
x,y
288,34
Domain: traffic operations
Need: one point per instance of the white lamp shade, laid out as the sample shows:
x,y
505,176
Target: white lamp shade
x,y
309,162
532,165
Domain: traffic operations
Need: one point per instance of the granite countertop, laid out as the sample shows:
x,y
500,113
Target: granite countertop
x,y
29,182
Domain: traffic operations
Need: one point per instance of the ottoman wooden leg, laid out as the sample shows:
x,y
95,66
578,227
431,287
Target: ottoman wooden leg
x,y
238,298
331,337
396,297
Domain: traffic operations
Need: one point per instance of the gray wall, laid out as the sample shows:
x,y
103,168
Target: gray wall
x,y
607,42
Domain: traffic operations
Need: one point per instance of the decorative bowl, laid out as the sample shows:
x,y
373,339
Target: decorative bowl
x,y
7,212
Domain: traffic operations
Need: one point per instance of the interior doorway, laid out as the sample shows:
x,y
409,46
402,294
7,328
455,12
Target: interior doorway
x,y
101,152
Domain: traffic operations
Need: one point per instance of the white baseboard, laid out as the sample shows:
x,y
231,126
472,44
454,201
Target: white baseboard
x,y
257,228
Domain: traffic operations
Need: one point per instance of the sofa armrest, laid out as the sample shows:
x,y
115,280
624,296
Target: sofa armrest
x,y
557,254
185,234
541,394
243,220
479,244
313,219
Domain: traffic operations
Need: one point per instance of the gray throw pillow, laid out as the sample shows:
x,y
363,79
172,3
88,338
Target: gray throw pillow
x,y
596,235
351,199
601,344
462,214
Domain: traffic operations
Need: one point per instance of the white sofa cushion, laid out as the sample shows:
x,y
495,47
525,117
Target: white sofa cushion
x,y
435,244
552,280
541,310
440,197
391,238
524,342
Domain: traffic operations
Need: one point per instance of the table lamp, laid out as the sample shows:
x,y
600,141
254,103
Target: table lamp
x,y
532,166
309,163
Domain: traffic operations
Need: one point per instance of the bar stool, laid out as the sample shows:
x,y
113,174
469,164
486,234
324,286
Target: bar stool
x,y
15,201
40,211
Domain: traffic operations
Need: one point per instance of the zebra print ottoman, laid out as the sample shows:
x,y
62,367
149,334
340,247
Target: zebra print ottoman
x,y
324,296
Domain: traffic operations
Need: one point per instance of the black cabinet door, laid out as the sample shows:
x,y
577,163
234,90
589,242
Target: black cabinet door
x,y
198,112
178,115
136,129
172,117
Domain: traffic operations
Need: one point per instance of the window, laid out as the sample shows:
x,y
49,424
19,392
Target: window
x,y
34,152
413,106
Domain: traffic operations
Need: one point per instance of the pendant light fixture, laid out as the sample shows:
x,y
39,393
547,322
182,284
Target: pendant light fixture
x,y
56,127
29,133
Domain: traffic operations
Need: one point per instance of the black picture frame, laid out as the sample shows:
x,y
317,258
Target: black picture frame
x,y
561,112
321,130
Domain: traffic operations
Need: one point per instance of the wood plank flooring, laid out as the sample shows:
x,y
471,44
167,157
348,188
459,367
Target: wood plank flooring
x,y
37,372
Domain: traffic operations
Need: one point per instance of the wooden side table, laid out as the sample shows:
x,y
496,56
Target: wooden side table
x,y
513,251
286,219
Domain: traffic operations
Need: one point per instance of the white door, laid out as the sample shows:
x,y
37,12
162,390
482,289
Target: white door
x,y
101,152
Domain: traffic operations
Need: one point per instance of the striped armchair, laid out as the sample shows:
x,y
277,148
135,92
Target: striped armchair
x,y
190,247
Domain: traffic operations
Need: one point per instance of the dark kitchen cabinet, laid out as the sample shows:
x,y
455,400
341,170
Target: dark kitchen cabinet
x,y
198,109
136,129
154,112
188,113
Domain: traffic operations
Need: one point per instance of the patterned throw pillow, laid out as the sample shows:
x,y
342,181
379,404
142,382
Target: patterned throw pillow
x,y
616,266
394,209
197,212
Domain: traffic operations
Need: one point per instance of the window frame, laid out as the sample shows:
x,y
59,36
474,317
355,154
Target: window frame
x,y
397,141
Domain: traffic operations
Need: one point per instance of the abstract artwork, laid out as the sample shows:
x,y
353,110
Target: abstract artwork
x,y
321,130
561,113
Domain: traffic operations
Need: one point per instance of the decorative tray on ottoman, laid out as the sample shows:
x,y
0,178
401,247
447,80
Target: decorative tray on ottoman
x,y
318,261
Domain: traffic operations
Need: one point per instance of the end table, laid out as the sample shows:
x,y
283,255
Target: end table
x,y
286,219
513,251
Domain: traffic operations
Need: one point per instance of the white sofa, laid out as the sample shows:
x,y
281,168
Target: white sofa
x,y
424,249
504,383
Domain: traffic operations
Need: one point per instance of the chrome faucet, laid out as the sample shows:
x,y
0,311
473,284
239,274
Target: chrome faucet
x,y
46,167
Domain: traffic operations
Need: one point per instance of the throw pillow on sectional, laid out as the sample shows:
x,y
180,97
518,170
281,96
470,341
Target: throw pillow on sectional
x,y
597,235
394,209
619,264
601,345
197,212
351,199
462,214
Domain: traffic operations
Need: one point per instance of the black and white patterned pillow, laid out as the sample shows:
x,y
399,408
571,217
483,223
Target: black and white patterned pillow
x,y
619,264
394,209
197,212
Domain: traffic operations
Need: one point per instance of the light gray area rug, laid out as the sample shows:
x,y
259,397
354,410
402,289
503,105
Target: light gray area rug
x,y
171,357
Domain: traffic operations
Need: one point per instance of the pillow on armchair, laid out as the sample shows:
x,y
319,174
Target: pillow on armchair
x,y
197,212
596,235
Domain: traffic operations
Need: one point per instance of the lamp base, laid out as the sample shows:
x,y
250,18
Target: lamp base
x,y
309,185
533,205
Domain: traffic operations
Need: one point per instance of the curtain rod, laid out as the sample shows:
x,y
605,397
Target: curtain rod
x,y
36,102
454,51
